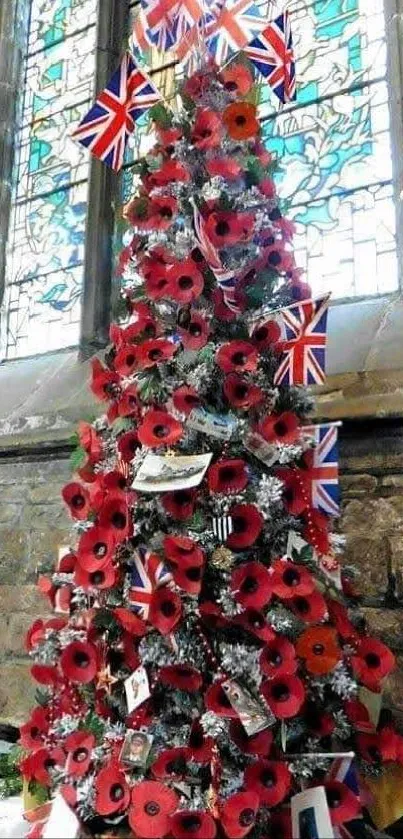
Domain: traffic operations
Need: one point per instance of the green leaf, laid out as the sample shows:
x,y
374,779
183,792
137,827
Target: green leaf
x,y
78,458
39,792
121,424
161,115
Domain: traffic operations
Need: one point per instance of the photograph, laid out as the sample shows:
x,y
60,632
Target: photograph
x,y
137,689
136,748
170,473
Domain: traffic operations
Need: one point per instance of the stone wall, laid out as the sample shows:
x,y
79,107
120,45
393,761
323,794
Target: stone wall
x,y
33,524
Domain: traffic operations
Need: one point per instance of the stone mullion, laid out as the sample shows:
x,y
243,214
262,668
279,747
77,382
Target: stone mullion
x,y
394,34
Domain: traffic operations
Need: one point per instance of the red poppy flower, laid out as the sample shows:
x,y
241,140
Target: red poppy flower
x,y
90,441
215,699
185,398
126,360
229,228
311,608
128,444
79,747
372,663
238,814
36,767
228,476
79,662
171,170
100,579
45,674
247,523
38,629
196,334
278,658
290,580
200,747
221,310
267,187
180,504
253,621
78,500
154,352
318,646
240,120
266,334
115,517
171,763
283,428
276,257
189,578
103,381
299,290
131,656
159,429
316,531
379,747
285,695
112,793
197,84
224,167
207,130
142,323
212,616
240,393
152,261
237,79
167,137
343,805
156,284
33,732
270,779
131,623
162,210
320,723
185,282
96,548
257,744
165,610
182,551
193,824
67,563
182,677
128,403
358,715
295,500
237,356
251,584
152,804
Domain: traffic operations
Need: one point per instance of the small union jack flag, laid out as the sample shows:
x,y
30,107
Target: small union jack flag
x,y
237,23
148,572
226,279
303,342
106,127
272,52
324,468
169,20
343,770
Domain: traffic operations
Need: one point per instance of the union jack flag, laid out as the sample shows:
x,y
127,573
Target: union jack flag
x,y
303,345
226,279
324,468
272,53
147,573
343,770
106,127
237,23
169,20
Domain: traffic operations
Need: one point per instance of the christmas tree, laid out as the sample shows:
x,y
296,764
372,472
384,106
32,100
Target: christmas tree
x,y
204,664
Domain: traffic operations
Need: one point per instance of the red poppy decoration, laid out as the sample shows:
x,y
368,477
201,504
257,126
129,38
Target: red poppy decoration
x,y
33,732
130,651
344,806
316,530
115,517
216,700
189,578
126,360
171,763
251,584
180,504
100,579
154,352
96,548
79,662
38,764
91,442
270,779
229,228
196,334
165,610
310,609
185,282
319,722
319,648
130,622
181,677
159,429
200,747
152,803
278,658
266,334
128,444
358,715
221,310
128,403
228,476
238,814
295,500
237,80
247,524
285,695
156,284
79,747
103,381
193,824
253,621
78,500
207,130
171,170
380,747
372,663
280,428
290,580
237,357
257,744
241,393
45,674
162,211
182,551
185,398
112,793
224,167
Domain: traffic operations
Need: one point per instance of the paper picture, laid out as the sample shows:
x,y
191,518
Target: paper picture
x,y
159,473
136,749
264,451
310,815
220,426
253,716
137,689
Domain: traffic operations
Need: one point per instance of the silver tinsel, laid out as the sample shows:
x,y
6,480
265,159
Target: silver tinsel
x,y
213,725
304,768
228,605
268,494
340,681
86,797
231,781
343,728
289,453
64,726
241,662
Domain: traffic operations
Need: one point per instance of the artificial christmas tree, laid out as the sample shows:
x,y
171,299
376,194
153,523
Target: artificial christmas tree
x,y
203,665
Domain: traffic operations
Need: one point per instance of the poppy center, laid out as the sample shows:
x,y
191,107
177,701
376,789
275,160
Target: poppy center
x,y
80,755
191,823
261,333
268,778
132,401
274,657
78,502
197,255
205,133
280,428
152,808
177,766
333,798
167,608
49,763
35,733
190,399
241,391
155,354
375,754
249,585
257,621
117,792
372,660
301,605
275,214
196,739
130,359
318,649
227,473
119,520
281,692
222,228
240,120
81,659
185,282
246,817
193,574
240,525
231,86
149,330
274,258
100,550
165,212
238,358
161,431
182,497
291,577
97,578
195,329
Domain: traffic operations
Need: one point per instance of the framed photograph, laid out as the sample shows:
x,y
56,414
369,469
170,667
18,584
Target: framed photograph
x,y
252,715
170,473
264,451
136,748
219,426
137,689
310,815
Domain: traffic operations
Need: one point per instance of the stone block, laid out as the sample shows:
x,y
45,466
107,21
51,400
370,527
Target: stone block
x,y
358,485
17,692
43,549
38,516
21,598
14,555
382,515
46,493
9,513
385,624
17,627
393,696
371,557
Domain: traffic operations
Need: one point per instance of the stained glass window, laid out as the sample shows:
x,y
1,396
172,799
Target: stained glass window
x,y
47,231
